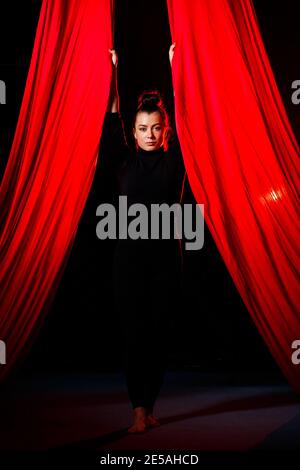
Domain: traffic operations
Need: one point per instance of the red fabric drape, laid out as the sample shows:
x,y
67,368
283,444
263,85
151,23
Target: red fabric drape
x,y
52,160
241,159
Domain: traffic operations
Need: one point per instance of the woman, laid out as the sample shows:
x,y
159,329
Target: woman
x,y
146,272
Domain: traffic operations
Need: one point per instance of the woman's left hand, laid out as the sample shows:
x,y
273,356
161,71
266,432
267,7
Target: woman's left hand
x,y
171,52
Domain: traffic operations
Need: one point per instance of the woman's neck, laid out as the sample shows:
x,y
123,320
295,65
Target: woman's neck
x,y
158,151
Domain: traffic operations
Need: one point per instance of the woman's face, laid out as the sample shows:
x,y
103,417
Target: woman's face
x,y
149,130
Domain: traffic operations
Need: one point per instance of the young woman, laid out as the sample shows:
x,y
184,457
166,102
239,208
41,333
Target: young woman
x,y
146,272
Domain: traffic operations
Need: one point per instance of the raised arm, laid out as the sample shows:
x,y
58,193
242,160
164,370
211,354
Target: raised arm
x,y
114,101
173,140
174,145
113,145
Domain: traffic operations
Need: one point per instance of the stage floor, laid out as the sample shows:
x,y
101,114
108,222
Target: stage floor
x,y
52,416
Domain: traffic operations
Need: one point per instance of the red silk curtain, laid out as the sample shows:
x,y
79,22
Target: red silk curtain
x,y
52,160
242,160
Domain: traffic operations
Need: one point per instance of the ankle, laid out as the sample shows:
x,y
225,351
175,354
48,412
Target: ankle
x,y
139,411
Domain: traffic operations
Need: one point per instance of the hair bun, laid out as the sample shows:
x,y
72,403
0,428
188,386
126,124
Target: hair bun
x,y
151,98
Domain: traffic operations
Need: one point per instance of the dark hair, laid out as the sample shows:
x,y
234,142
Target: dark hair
x,y
149,102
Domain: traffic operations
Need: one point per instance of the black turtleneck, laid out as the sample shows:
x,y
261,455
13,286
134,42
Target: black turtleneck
x,y
144,176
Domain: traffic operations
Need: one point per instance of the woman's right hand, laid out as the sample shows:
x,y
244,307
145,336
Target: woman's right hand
x,y
114,57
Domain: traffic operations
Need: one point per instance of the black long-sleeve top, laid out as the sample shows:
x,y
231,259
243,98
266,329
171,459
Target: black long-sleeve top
x,y
154,176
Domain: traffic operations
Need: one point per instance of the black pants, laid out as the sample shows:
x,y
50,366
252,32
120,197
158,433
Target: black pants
x,y
147,282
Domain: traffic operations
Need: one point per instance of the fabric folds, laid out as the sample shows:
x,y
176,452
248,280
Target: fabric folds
x,y
242,160
52,161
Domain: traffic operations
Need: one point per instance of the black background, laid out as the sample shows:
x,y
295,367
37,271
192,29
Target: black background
x,y
212,328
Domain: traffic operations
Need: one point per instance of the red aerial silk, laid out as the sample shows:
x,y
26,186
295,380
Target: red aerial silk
x,y
52,160
242,160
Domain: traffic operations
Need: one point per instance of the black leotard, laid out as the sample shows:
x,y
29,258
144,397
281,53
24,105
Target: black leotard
x,y
146,273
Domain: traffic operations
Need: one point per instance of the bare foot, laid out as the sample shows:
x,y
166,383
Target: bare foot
x,y
152,422
139,423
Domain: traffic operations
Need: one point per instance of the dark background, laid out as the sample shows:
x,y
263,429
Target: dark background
x,y
212,328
